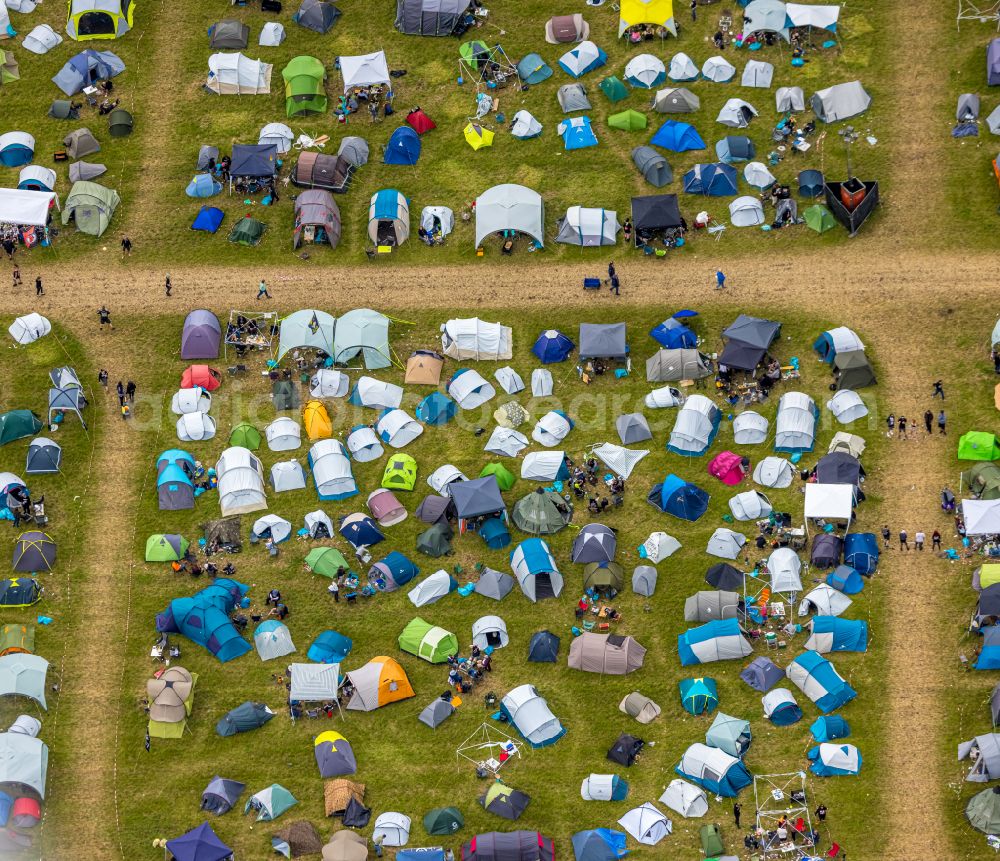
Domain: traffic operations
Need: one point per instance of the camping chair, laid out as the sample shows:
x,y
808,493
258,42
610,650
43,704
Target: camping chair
x,y
834,850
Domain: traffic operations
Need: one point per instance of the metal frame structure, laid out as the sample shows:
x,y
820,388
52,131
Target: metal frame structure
x,y
984,13
264,320
483,747
772,797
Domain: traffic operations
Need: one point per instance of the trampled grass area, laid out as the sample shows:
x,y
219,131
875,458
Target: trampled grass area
x,y
174,116
406,766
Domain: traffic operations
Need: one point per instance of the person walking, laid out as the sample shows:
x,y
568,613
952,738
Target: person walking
x,y
886,536
168,285
611,270
120,388
918,541
104,317
17,275
39,290
262,290
737,810
890,423
929,421
378,841
904,543
126,246
720,279
902,427
130,392
942,420
615,285
935,540
938,389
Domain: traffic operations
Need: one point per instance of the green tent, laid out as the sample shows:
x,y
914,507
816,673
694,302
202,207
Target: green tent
x,y
326,561
166,548
428,641
246,435
627,121
614,89
435,541
17,639
9,70
973,445
304,94
18,424
91,206
247,231
400,472
819,218
538,513
711,840
443,820
505,478
468,50
603,575
983,811
983,480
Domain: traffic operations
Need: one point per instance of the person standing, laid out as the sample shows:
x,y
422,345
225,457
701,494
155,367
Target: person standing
x,y
886,535
168,285
737,810
17,275
615,284
890,423
720,279
126,246
902,427
938,389
334,589
904,543
39,290
104,316
935,540
694,11
942,420
611,270
9,246
929,421
821,813
130,392
378,841
918,540
262,290
102,378
120,388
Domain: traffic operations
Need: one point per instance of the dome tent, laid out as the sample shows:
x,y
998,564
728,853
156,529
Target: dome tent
x,y
603,787
780,707
685,798
99,19
220,795
531,716
646,824
316,15
490,632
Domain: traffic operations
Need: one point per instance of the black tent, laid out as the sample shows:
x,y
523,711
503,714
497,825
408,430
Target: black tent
x,y
243,718
509,846
839,468
543,648
826,550
851,202
502,801
625,750
435,541
725,577
655,212
430,17
742,357
356,815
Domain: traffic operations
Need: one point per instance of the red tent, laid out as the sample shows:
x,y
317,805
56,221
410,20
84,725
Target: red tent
x,y
201,375
727,467
419,121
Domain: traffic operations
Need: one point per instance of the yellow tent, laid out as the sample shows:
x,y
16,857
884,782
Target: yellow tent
x,y
659,13
316,420
477,137
989,574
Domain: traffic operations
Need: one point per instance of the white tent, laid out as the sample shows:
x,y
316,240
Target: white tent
x,y
35,174
682,68
746,211
749,427
982,516
312,683
318,524
195,400
645,70
541,383
510,207
329,383
773,472
685,798
24,761
617,458
272,34
758,176
443,476
237,75
757,74
718,69
21,206
241,481
664,397
795,423
847,406
830,501
369,392
364,445
278,134
824,600
307,328
844,340
809,15
551,429
195,427
579,59
506,442
588,227
525,126
29,328
789,99
287,475
598,787
469,389
432,588
658,547
544,465
364,70
840,102
274,641
531,716
490,631
437,218
736,114
283,434
784,567
845,758
392,828
509,379
750,505
775,698
725,543
398,428
646,824
331,468
472,338
41,39
279,528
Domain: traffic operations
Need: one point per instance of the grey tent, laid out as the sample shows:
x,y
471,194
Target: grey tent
x,y
762,674
993,121
984,751
80,142
810,183
733,148
243,718
207,155
789,99
509,846
757,74
430,17
297,838
968,108
221,795
316,15
436,713
435,509
667,366
983,809
753,331
543,648
44,456
653,166
272,34
594,543
83,170
655,212
993,62
853,370
786,211
86,69
612,654
476,497
676,100
436,540
644,580
315,211
228,34
840,102
494,584
632,428
66,393
602,341
61,109
318,170
995,705
839,467
826,550
355,150
707,606
541,512
573,97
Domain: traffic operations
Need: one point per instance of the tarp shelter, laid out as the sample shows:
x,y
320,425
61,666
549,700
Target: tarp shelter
x,y
321,170
679,498
821,17
430,17
587,227
532,70
199,844
819,680
840,102
30,327
605,653
331,469
719,640
44,457
23,675
86,69
685,798
316,15
237,75
653,167
530,715
584,58
646,824
389,217
403,148
510,207
566,28
41,39
780,707
229,33
524,126
714,770
790,99
304,78
644,71
603,340
204,618
677,137
201,335
90,206
830,760
718,70
220,795
364,70
766,16
658,13
272,639
508,846
695,427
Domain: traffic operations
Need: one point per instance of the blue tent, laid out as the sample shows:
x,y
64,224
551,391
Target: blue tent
x,y
735,148
599,60
361,531
781,708
209,219
712,180
204,618
403,147
699,695
845,579
829,728
17,150
533,70
422,854
672,334
677,137
394,570
199,844
861,552
819,680
835,760
714,770
599,844
989,655
495,533
330,647
718,640
436,409
577,133
677,497
552,346
844,635
87,68
202,185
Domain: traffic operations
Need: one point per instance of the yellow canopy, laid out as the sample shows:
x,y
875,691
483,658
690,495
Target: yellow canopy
x,y
477,137
659,13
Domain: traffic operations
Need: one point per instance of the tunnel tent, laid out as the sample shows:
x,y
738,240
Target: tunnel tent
x,y
780,707
609,654
531,716
18,148
240,482
388,218
99,19
653,166
840,102
86,69
604,787
819,680
320,170
431,17
316,15
476,340
317,216
228,33
34,177
237,75
714,770
536,571
91,207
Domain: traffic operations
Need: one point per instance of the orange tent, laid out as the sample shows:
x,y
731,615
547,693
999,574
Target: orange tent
x,y
201,375
316,421
379,682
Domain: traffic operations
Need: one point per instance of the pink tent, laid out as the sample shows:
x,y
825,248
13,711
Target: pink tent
x,y
728,468
385,508
201,375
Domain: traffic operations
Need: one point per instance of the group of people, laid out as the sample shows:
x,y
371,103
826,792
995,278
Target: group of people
x,y
919,539
464,673
376,98
749,390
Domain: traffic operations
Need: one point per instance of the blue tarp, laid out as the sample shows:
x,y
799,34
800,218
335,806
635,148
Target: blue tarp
x,y
679,498
209,219
552,346
677,137
403,148
712,180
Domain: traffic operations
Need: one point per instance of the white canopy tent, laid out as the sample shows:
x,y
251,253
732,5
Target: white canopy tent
x,y
982,516
510,207
364,70
20,206
830,502
810,15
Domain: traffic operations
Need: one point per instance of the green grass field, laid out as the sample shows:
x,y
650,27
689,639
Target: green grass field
x,y
406,766
167,56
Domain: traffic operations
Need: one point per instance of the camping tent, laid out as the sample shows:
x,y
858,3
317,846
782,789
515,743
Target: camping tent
x,y
220,795
403,147
645,71
490,632
389,218
530,715
605,653
240,482
588,227
675,100
712,180
736,114
677,137
430,17
535,570
718,70
204,619
34,177
749,428
320,170
41,39
200,335
236,74
795,423
830,760
510,207
646,824
584,58
334,754
30,327
90,206
44,457
695,427
331,469
677,364
780,707
304,94
476,339
685,798
272,640
99,19
840,102
378,683
718,640
653,166
524,126
819,680
229,33
316,15
679,498
734,148
199,844
566,28
714,770
682,68
729,734
86,69
270,803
